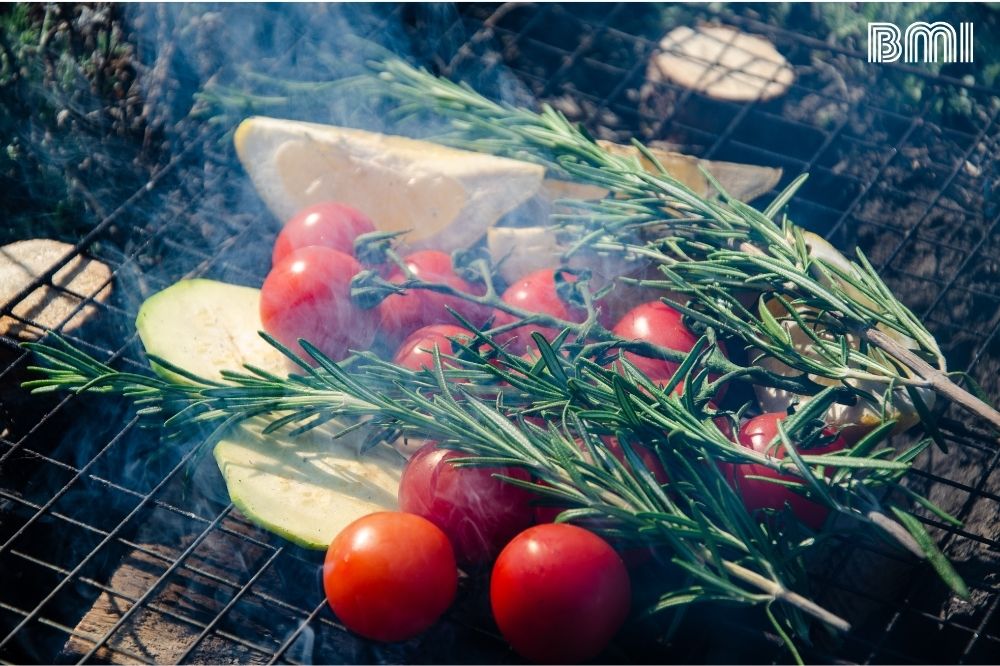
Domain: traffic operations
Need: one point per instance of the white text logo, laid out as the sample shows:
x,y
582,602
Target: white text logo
x,y
935,42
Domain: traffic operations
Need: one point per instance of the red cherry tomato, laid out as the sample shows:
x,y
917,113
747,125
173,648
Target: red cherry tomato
x,y
535,292
308,295
328,224
417,351
659,324
559,593
389,575
477,511
402,314
757,434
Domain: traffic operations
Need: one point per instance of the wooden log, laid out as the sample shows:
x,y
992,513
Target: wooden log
x,y
167,624
705,65
23,262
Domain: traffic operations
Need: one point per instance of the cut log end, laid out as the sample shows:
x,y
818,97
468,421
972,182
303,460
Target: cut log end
x,y
49,307
721,63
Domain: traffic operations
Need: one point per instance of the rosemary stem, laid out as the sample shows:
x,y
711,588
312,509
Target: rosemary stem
x,y
781,593
903,538
941,382
716,363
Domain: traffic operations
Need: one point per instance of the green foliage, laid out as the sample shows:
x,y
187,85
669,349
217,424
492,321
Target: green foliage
x,y
65,116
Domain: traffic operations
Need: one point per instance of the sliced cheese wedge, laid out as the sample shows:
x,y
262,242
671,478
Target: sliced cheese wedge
x,y
309,488
445,197
526,249
744,182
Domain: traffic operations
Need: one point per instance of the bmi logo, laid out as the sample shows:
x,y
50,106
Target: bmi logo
x,y
936,42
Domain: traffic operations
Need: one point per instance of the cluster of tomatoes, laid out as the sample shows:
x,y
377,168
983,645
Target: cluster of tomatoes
x,y
307,294
558,592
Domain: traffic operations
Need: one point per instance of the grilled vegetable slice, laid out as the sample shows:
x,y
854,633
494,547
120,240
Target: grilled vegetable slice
x,y
305,489
204,327
310,488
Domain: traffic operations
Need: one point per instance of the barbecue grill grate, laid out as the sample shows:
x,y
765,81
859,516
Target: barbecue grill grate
x,y
113,548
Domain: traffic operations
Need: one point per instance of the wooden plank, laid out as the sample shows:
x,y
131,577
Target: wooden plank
x,y
174,615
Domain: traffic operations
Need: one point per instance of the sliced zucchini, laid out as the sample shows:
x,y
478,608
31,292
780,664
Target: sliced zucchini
x,y
204,327
307,489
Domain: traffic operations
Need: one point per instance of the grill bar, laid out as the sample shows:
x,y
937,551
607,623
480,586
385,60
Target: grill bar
x,y
229,606
951,177
155,586
72,574
294,636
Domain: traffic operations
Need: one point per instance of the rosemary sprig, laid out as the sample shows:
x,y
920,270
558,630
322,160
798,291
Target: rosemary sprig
x,y
704,248
697,518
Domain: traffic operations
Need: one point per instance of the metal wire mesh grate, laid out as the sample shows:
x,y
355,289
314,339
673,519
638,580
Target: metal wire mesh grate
x,y
116,549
